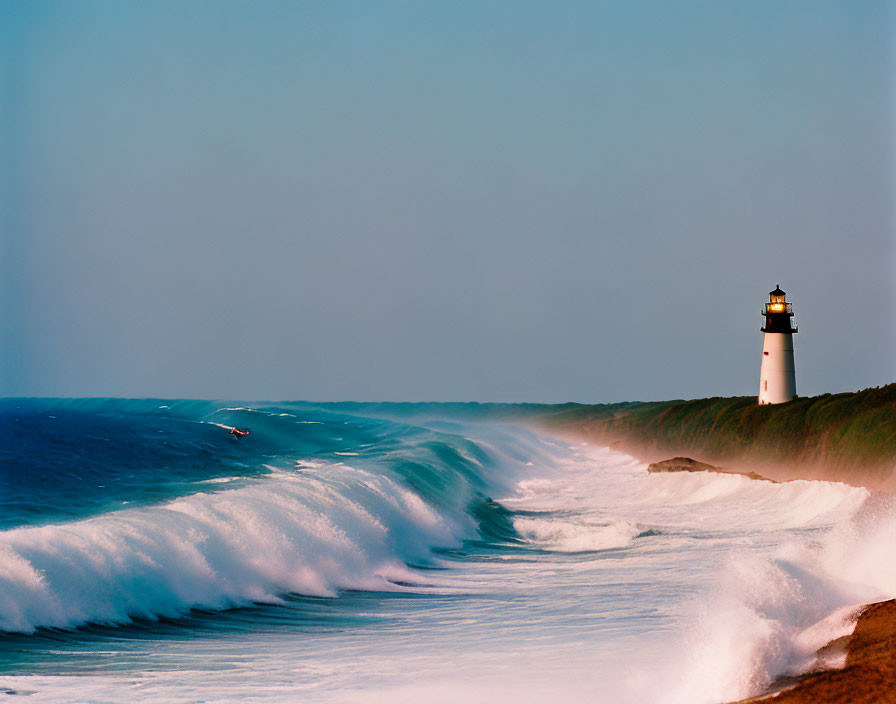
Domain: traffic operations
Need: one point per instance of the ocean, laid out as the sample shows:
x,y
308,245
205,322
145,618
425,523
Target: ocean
x,y
146,554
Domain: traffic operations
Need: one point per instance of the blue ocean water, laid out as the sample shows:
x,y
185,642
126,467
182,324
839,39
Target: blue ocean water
x,y
145,552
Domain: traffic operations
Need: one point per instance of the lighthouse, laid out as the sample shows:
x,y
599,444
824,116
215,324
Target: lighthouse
x,y
777,376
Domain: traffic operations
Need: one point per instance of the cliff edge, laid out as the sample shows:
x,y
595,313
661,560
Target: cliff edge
x,y
849,437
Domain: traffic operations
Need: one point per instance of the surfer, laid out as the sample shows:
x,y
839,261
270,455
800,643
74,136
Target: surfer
x,y
238,433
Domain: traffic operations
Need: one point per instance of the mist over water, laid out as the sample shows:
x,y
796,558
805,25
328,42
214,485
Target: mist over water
x,y
333,558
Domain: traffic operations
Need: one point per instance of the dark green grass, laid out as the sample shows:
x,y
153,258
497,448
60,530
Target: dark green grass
x,y
848,429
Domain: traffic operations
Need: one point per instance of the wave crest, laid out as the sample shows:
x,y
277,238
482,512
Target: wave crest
x,y
575,536
275,535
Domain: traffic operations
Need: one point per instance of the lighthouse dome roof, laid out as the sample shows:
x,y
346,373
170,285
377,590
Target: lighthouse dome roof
x,y
777,291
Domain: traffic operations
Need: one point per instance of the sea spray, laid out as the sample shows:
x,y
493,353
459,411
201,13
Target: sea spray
x,y
785,559
770,614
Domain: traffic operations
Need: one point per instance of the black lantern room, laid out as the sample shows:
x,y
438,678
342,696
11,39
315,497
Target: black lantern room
x,y
778,313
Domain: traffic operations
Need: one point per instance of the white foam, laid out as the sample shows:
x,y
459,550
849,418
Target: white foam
x,y
775,570
575,536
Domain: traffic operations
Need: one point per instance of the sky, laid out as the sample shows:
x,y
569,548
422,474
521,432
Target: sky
x,y
489,201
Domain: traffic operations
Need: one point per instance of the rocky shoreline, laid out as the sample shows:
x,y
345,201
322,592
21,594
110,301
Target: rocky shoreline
x,y
687,464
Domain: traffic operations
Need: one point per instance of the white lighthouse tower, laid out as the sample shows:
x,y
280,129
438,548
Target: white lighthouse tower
x,y
777,376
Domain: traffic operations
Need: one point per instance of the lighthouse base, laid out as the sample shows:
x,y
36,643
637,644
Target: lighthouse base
x,y
777,376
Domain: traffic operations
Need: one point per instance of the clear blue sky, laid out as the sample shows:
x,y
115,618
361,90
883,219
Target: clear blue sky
x,y
443,200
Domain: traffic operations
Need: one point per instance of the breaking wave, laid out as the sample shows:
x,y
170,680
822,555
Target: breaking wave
x,y
276,535
297,519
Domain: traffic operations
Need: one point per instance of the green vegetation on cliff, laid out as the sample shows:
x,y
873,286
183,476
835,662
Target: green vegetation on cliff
x,y
831,433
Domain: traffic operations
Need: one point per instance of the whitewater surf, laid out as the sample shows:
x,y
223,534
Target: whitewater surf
x,y
329,557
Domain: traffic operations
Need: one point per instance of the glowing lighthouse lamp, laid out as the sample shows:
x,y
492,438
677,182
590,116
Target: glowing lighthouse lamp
x,y
777,376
